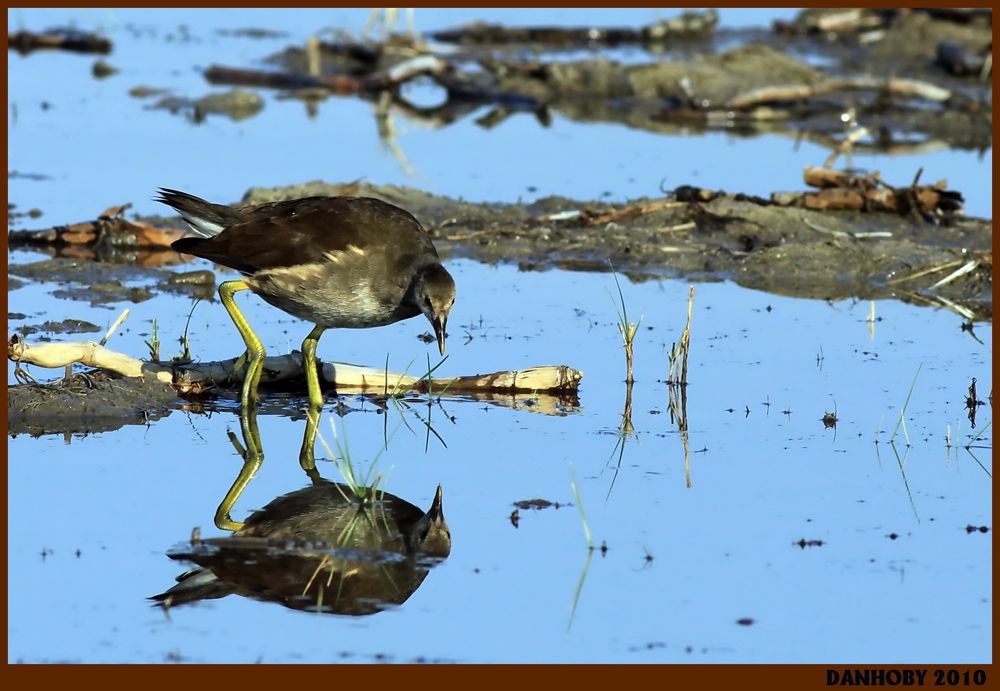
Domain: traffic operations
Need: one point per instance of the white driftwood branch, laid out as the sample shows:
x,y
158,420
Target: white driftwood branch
x,y
199,376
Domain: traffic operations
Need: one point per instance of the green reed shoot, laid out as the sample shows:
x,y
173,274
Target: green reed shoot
x,y
154,344
626,328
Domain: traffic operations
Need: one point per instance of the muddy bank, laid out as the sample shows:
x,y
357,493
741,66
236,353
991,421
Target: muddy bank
x,y
700,83
691,233
784,250
87,403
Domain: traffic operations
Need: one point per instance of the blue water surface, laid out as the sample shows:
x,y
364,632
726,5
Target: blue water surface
x,y
692,548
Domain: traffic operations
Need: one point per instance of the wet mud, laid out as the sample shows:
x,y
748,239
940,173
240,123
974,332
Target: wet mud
x,y
753,242
87,403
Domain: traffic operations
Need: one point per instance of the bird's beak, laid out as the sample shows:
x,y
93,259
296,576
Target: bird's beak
x,y
439,324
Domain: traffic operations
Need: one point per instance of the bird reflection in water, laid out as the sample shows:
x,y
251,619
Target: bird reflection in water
x,y
320,548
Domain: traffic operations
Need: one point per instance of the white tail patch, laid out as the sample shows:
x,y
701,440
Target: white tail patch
x,y
202,227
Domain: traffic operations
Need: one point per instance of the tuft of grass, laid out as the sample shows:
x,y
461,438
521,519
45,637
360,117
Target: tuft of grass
x,y
185,342
399,389
154,344
626,328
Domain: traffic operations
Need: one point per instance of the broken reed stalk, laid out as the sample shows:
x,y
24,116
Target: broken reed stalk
x,y
677,374
107,336
114,327
686,339
312,56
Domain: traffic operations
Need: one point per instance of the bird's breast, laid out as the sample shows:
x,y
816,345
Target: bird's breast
x,y
335,299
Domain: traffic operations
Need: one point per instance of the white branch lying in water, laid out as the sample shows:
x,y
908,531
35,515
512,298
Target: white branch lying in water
x,y
199,376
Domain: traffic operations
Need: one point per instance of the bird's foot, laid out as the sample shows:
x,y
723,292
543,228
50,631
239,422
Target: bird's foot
x,y
238,366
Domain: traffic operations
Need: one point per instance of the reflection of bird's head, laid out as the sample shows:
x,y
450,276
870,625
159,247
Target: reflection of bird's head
x,y
430,534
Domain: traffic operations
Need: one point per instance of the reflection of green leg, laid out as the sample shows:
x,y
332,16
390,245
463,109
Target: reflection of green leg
x,y
253,456
306,455
307,459
255,348
309,365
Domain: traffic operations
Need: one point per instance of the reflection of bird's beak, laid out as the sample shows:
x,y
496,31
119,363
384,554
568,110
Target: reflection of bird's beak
x,y
439,324
436,512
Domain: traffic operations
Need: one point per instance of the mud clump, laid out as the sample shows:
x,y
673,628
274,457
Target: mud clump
x,y
86,403
236,104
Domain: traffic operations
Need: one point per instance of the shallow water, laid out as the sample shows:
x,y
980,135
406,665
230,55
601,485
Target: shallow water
x,y
690,551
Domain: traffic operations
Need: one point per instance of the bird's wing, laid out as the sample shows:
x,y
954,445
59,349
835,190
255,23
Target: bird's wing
x,y
309,231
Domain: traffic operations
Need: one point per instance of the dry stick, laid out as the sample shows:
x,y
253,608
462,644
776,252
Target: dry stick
x,y
203,375
114,327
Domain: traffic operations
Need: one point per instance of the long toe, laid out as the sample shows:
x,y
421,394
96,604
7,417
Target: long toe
x,y
238,366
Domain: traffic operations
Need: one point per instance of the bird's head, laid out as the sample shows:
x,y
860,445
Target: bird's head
x,y
434,292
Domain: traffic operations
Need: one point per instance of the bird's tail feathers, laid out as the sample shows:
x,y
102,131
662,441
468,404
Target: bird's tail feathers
x,y
205,219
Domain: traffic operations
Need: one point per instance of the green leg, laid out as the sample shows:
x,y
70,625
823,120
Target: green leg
x,y
309,365
255,349
253,456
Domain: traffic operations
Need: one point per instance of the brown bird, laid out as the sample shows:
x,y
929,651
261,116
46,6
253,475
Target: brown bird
x,y
349,262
